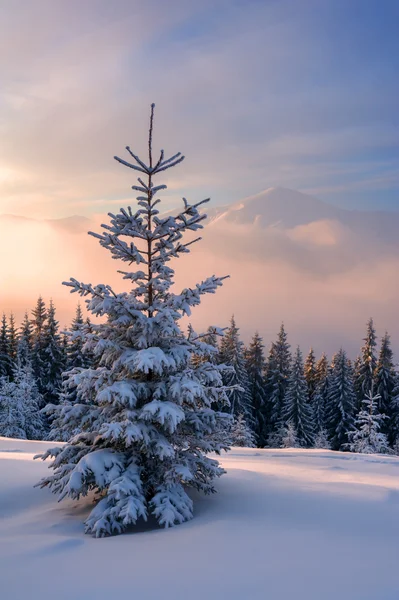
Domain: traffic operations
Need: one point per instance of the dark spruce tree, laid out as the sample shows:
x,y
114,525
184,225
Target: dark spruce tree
x,y
255,364
296,408
232,354
385,380
319,399
13,340
39,365
341,400
310,373
25,342
76,356
53,358
6,363
278,368
365,367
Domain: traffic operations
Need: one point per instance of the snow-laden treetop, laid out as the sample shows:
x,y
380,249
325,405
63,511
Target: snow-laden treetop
x,y
159,240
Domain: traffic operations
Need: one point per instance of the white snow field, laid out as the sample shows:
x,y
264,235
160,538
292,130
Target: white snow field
x,y
303,524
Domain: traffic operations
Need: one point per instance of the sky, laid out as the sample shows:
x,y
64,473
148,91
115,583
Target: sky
x,y
301,94
298,94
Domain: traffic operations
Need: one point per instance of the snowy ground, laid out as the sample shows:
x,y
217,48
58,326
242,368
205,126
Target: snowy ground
x,y
286,524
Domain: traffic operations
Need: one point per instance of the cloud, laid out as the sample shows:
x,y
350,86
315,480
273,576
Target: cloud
x,y
322,279
256,94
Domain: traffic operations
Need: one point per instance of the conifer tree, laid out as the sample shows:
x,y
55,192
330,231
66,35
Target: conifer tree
x,y
310,373
211,339
75,354
278,368
19,406
296,408
367,437
320,393
289,436
385,379
39,365
12,420
5,358
64,348
88,332
13,340
232,355
366,368
74,357
24,348
394,418
241,434
53,358
145,412
321,370
255,365
341,401
357,382
321,440
27,394
210,342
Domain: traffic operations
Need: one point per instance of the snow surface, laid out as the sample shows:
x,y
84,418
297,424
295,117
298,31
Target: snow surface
x,y
303,524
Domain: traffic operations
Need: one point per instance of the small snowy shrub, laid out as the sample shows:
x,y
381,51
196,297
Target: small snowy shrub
x,y
289,437
367,438
241,433
321,440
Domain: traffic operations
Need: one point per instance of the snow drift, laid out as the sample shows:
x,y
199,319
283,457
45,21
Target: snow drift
x,y
309,524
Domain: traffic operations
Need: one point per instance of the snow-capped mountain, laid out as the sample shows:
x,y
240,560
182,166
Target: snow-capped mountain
x,y
276,207
286,209
324,270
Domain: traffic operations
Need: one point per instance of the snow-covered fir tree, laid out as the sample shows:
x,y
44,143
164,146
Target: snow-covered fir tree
x,y
241,433
12,339
53,356
393,436
278,368
341,400
310,373
385,380
289,436
145,412
357,381
24,348
211,338
321,440
321,369
232,354
6,363
319,398
76,356
39,360
296,408
367,437
11,416
27,393
366,366
19,406
255,365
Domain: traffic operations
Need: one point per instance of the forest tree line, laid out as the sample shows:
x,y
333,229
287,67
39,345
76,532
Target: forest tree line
x,y
277,400
286,400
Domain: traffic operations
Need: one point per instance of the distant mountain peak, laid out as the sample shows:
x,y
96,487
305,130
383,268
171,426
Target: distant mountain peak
x,y
276,206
